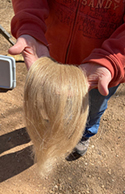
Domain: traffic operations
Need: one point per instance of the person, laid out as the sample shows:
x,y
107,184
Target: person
x,y
89,34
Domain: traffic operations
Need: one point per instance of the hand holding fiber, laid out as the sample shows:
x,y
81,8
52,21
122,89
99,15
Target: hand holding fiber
x,y
30,48
98,77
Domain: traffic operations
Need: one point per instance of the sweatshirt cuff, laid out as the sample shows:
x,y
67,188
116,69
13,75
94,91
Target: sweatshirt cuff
x,y
30,27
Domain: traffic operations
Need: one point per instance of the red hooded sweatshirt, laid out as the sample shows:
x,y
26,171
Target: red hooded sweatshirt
x,y
76,31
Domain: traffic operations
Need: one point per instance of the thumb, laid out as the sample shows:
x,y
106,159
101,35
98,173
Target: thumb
x,y
17,48
103,85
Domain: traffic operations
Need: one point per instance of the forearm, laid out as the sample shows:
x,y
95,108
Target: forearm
x,y
30,19
112,55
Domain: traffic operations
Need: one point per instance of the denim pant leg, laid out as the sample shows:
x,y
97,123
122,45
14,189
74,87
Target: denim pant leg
x,y
98,104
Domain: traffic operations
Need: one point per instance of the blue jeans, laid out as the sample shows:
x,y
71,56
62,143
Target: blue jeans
x,y
98,105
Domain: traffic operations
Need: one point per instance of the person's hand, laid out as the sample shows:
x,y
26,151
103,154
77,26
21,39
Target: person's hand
x,y
30,48
98,77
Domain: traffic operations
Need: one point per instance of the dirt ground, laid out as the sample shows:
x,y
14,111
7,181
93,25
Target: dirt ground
x,y
100,171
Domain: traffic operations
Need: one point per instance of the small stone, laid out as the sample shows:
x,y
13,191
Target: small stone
x,y
86,186
104,119
51,192
109,172
56,186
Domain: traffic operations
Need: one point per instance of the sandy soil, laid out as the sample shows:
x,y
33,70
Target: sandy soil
x,y
100,171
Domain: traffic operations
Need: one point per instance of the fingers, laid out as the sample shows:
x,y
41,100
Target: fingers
x,y
98,77
103,85
103,88
18,47
29,59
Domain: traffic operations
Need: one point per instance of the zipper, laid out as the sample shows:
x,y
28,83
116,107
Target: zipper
x,y
73,28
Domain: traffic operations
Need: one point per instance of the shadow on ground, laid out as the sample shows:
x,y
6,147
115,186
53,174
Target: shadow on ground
x,y
14,163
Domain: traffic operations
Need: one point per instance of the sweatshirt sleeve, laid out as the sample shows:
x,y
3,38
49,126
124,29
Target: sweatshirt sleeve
x,y
30,18
112,55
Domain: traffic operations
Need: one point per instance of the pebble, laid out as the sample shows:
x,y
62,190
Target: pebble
x,y
86,186
109,172
51,192
56,186
3,115
104,119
